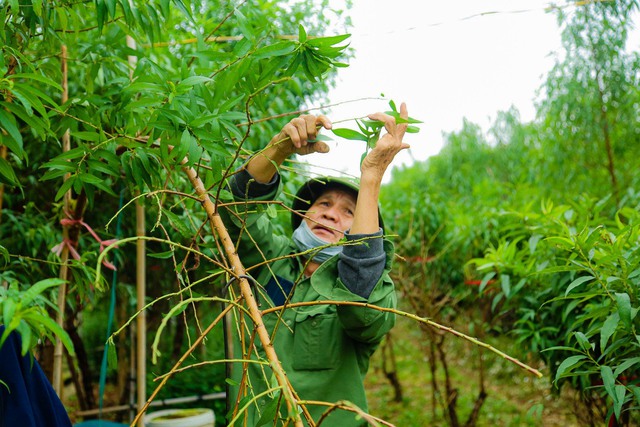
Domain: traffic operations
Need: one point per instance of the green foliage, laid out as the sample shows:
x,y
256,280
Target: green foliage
x,y
590,111
132,121
24,311
543,217
579,300
151,87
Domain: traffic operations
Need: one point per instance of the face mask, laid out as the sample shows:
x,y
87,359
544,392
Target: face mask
x,y
306,240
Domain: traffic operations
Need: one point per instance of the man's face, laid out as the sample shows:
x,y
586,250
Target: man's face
x,y
331,215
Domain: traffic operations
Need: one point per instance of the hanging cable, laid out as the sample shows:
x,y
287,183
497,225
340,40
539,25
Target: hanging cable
x,y
112,305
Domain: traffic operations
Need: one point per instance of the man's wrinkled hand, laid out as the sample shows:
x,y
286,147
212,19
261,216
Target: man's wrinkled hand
x,y
299,136
380,157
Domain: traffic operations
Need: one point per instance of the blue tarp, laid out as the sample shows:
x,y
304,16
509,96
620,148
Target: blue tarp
x,y
26,397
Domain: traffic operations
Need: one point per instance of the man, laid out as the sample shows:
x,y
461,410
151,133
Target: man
x,y
337,253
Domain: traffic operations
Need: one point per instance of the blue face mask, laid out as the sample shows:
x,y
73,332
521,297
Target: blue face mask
x,y
306,240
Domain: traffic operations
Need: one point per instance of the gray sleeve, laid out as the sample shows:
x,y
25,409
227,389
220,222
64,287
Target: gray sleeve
x,y
244,186
360,266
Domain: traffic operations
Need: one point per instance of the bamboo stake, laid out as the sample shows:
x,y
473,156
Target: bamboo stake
x,y
64,255
141,320
245,290
141,283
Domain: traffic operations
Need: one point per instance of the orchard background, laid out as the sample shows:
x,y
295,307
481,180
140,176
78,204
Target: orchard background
x,y
527,237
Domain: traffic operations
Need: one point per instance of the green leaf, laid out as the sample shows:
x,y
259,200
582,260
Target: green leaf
x,y
66,186
102,185
636,393
37,289
38,125
192,81
608,380
38,77
98,166
505,284
562,242
14,139
579,281
244,25
583,341
7,174
302,35
626,365
277,49
618,401
112,356
146,87
485,280
144,160
180,152
560,347
160,255
5,254
74,153
567,364
608,329
49,324
184,9
349,134
272,212
624,308
101,14
327,41
111,7
8,310
25,332
231,382
182,227
137,170
269,412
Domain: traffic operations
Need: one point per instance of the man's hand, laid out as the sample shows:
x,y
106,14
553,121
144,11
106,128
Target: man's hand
x,y
296,137
372,169
299,136
379,158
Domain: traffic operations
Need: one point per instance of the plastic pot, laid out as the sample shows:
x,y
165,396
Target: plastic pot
x,y
196,417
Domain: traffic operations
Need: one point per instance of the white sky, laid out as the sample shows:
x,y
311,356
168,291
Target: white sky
x,y
448,60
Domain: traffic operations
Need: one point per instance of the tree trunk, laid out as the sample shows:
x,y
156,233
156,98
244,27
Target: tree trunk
x,y
389,368
451,392
83,362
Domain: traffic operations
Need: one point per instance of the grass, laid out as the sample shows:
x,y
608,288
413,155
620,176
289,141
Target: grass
x,y
514,396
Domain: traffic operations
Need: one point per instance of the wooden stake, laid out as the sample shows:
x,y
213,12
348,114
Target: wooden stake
x,y
64,268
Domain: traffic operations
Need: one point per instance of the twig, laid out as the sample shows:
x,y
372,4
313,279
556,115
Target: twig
x,y
418,319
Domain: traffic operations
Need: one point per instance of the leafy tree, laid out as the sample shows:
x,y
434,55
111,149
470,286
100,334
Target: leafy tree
x,y
590,112
542,216
101,101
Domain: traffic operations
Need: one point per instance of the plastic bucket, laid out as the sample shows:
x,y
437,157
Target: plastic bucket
x,y
196,417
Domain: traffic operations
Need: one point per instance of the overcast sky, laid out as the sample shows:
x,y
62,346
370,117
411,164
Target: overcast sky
x,y
448,60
